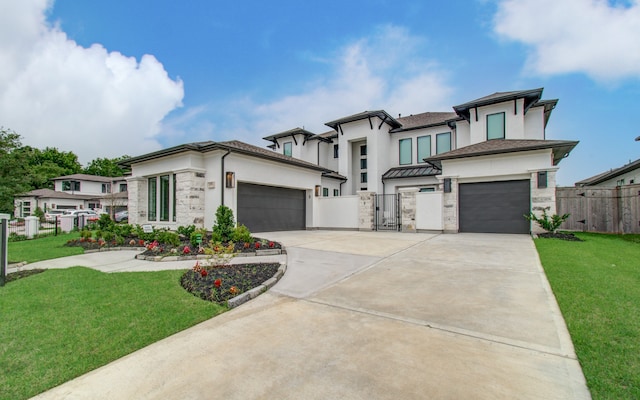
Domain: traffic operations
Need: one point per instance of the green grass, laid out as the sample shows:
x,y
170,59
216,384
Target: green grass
x,y
597,285
60,324
43,249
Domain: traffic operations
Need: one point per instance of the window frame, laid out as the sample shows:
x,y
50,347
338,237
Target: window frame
x,y
406,152
363,177
336,192
284,148
426,138
336,151
363,150
106,188
438,151
504,127
325,192
152,198
363,163
71,186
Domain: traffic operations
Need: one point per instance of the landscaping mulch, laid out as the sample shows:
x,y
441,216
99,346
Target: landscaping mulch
x,y
221,283
563,236
22,274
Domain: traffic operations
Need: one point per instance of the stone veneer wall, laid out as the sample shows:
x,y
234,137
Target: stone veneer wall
x,y
190,198
543,198
137,192
450,207
366,211
408,209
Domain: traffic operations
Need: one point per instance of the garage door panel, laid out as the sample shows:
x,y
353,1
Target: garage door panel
x,y
495,207
267,208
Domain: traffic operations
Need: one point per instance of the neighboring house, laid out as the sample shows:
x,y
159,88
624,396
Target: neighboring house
x,y
625,175
479,168
78,191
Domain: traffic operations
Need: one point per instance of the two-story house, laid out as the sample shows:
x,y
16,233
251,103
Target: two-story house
x,y
77,191
486,164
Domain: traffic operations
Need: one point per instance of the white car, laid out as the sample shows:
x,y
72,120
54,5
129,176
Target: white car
x,y
91,215
51,214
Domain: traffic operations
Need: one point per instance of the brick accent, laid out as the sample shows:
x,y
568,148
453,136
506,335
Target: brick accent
x,y
450,207
190,198
408,209
137,201
543,198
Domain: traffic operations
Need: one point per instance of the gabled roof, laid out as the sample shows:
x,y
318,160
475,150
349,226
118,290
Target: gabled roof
x,y
290,132
48,193
605,176
560,148
411,172
90,178
425,120
531,97
365,115
234,146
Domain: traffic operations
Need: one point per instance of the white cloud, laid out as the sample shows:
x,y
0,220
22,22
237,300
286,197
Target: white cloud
x,y
56,93
588,36
380,72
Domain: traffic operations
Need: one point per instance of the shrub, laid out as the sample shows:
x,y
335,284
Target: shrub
x,y
224,226
14,237
108,236
241,234
168,237
86,234
546,222
122,229
139,232
186,230
39,213
194,236
105,222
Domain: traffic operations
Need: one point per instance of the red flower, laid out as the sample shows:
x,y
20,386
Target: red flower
x,y
272,245
186,250
233,290
203,272
217,283
257,245
141,243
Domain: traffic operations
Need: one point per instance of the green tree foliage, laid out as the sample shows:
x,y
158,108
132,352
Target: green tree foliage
x,y
43,165
12,169
105,167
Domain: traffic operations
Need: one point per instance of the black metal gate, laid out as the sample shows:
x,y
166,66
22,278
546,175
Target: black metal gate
x,y
388,212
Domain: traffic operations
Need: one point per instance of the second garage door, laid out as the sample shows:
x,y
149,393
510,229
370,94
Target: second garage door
x,y
268,208
495,207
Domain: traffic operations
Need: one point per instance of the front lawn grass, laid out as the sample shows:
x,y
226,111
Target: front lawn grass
x,y
59,324
43,248
597,285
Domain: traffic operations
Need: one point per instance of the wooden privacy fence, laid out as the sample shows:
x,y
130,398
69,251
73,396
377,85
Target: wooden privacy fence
x,y
612,210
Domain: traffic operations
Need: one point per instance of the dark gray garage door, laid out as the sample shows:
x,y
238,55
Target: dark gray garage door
x,y
494,207
268,208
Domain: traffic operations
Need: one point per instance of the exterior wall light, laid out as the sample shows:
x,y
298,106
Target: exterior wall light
x,y
230,180
318,187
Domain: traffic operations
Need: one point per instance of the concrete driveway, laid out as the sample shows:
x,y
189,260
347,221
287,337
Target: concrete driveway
x,y
369,316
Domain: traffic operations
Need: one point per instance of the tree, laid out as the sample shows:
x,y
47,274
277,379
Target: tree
x,y
49,163
13,169
105,167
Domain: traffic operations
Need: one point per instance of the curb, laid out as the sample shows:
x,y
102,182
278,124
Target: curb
x,y
258,290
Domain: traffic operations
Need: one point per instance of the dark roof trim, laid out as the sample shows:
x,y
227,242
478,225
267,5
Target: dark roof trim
x,y
530,98
560,148
605,176
290,132
450,123
411,172
383,115
334,175
164,153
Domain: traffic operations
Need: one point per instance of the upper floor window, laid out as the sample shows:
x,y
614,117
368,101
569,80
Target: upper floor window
x,y
71,185
325,192
335,151
336,192
443,142
287,149
424,148
123,187
106,188
363,150
363,163
363,177
405,151
495,126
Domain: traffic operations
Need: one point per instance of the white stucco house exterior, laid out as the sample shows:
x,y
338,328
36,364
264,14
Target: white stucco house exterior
x,y
77,191
478,168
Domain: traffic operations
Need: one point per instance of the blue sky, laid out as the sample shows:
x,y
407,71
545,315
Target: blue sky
x,y
104,79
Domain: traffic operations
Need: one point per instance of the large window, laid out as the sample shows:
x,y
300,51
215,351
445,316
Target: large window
x,y
164,198
495,126
424,148
71,185
287,149
405,151
443,142
152,198
106,188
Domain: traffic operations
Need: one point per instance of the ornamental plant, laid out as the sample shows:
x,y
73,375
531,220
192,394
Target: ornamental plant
x,y
220,254
547,222
224,226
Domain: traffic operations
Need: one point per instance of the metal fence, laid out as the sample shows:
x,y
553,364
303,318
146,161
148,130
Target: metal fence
x,y
611,210
18,229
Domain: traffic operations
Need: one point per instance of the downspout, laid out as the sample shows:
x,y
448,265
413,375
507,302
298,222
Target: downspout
x,y
318,152
222,177
341,186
